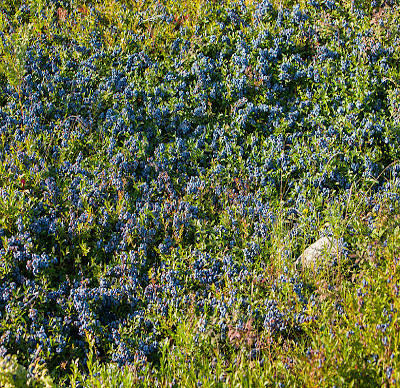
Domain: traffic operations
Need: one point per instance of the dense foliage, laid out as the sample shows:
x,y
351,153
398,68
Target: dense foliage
x,y
162,166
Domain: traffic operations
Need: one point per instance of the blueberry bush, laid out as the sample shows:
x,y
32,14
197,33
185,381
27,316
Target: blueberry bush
x,y
164,163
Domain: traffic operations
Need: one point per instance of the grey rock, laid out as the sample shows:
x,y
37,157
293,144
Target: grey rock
x,y
320,252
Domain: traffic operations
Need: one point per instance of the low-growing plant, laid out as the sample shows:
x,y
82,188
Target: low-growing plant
x,y
164,164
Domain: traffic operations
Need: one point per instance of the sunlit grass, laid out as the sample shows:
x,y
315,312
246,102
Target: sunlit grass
x,y
335,324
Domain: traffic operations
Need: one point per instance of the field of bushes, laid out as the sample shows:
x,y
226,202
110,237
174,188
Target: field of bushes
x,y
164,163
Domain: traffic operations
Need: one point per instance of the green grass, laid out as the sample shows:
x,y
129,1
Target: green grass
x,y
353,341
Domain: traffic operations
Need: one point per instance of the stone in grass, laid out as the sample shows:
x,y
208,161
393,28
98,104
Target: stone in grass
x,y
320,252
